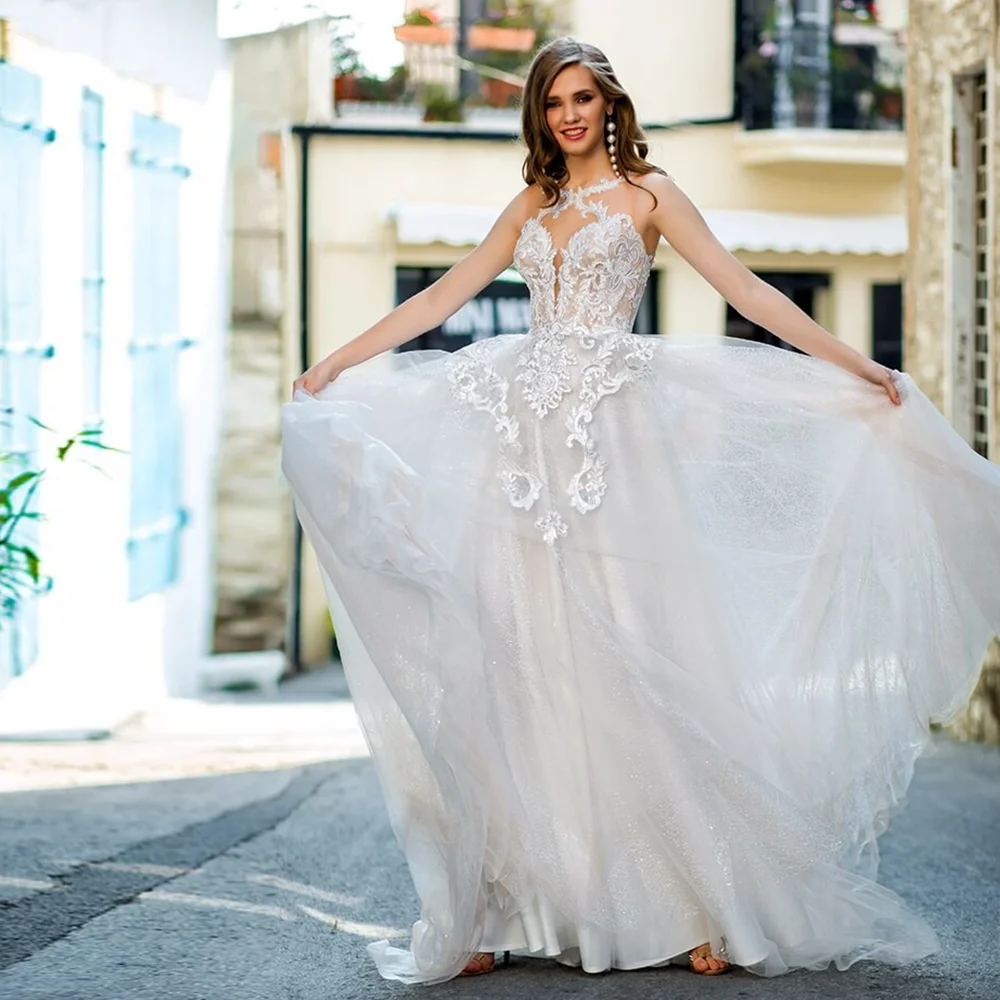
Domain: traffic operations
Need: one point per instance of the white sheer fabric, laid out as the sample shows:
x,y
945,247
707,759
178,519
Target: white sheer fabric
x,y
645,634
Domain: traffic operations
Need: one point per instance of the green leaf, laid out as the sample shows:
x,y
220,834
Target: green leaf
x,y
19,481
34,563
100,445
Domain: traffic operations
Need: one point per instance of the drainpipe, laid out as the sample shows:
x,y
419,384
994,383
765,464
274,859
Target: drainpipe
x,y
294,640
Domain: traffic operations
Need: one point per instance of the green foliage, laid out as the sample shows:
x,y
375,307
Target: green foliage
x,y
421,15
440,106
373,88
20,565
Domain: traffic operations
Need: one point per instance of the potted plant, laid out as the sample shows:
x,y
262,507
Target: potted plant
x,y
345,62
888,102
890,74
391,89
496,90
440,105
505,28
499,93
422,26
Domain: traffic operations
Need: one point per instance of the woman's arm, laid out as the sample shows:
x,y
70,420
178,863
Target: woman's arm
x,y
682,226
432,306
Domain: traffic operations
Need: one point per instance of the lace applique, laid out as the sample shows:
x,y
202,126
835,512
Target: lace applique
x,y
552,526
474,381
580,343
618,362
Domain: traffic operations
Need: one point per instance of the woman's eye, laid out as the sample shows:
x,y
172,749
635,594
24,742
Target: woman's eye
x,y
585,98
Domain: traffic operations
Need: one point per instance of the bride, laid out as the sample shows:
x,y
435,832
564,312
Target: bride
x,y
645,634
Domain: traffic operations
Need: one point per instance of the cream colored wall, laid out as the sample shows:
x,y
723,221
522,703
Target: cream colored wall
x,y
664,53
894,14
703,161
355,180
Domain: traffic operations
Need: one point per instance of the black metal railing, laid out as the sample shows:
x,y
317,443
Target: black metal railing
x,y
796,71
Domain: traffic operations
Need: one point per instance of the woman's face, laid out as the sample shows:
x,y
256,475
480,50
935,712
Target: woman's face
x,y
576,111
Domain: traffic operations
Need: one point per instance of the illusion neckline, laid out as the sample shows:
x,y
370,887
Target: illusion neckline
x,y
605,184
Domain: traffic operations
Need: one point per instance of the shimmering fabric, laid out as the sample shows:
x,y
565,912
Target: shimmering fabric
x,y
645,634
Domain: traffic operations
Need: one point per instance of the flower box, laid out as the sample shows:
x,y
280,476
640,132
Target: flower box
x,y
488,37
345,87
424,34
499,93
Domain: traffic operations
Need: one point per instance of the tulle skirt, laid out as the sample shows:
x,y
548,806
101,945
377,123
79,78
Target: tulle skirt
x,y
690,717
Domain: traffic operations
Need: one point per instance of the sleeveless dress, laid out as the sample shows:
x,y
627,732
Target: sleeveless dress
x,y
645,634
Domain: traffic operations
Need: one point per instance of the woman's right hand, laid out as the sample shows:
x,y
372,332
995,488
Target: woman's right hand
x,y
318,377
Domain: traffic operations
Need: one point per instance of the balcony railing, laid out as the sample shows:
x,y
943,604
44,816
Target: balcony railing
x,y
819,73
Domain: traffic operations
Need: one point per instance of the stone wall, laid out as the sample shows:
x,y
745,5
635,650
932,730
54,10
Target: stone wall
x,y
254,541
947,38
279,79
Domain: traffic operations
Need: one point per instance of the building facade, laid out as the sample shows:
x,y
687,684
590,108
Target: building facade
x,y
279,78
113,159
953,293
781,119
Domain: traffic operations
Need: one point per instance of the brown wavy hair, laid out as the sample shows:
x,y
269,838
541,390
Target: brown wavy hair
x,y
544,164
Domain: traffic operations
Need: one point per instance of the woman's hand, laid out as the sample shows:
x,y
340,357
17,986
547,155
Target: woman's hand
x,y
878,374
318,377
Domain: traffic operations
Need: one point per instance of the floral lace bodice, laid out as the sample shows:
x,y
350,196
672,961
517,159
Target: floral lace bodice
x,y
592,285
585,293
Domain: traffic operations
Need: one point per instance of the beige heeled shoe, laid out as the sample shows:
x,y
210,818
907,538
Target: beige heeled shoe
x,y
483,962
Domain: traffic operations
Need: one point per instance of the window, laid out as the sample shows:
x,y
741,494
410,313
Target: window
x,y
157,514
92,130
981,401
22,142
887,325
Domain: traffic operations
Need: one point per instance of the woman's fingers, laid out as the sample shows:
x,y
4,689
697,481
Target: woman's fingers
x,y
312,381
890,387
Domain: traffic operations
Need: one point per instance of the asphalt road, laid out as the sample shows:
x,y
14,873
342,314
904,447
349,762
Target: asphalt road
x,y
269,882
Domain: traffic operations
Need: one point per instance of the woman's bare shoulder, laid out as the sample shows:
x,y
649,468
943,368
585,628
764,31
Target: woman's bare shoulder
x,y
532,198
657,182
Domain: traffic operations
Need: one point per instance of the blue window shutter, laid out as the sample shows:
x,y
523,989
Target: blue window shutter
x,y
157,514
92,131
22,141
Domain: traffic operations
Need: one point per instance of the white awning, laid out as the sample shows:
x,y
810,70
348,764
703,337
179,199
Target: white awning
x,y
757,232
456,225
781,232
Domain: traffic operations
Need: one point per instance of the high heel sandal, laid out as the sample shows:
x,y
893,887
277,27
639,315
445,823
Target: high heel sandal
x,y
483,962
704,951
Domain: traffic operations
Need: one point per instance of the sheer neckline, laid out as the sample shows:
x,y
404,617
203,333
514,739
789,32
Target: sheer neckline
x,y
605,184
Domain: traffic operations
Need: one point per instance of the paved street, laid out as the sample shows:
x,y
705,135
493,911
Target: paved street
x,y
238,848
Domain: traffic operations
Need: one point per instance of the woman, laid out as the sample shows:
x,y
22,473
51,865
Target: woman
x,y
645,634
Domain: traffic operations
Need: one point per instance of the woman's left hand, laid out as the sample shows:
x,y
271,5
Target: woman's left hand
x,y
878,374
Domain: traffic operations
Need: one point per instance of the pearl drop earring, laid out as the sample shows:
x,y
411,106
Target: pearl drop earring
x,y
611,147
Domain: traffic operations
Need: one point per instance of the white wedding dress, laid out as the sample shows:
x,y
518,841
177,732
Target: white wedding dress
x,y
645,634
